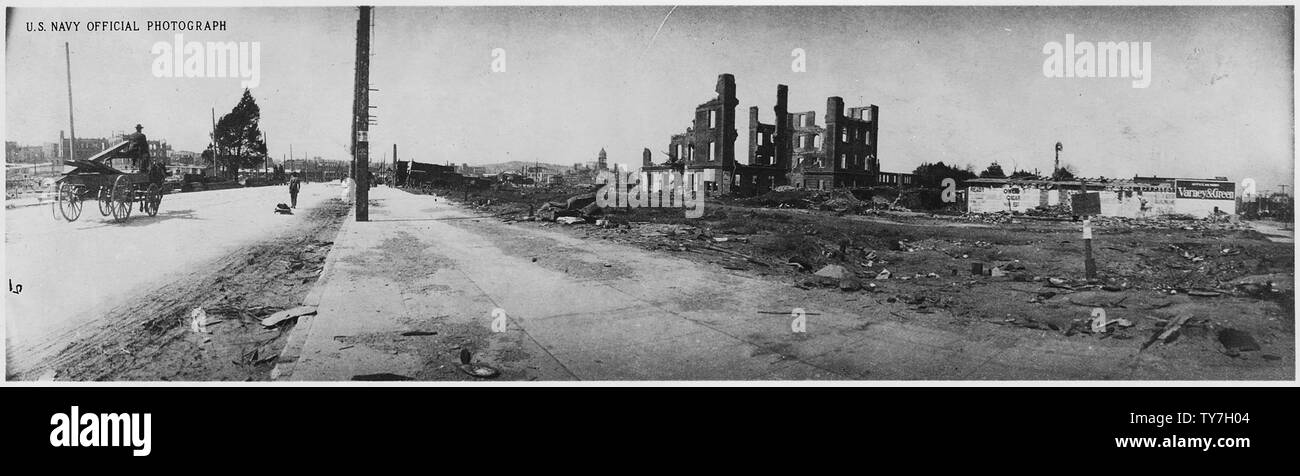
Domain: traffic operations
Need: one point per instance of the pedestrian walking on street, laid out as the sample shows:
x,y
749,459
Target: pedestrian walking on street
x,y
294,185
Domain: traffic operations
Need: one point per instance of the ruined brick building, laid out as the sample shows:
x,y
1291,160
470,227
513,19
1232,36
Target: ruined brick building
x,y
705,155
794,151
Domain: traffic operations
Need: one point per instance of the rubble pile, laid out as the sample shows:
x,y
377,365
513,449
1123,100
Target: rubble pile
x,y
1052,211
839,201
989,218
582,206
843,202
1062,213
1170,222
782,197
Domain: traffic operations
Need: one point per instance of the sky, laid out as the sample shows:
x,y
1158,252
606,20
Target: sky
x,y
962,85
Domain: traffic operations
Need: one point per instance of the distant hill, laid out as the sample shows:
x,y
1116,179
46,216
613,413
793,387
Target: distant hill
x,y
515,165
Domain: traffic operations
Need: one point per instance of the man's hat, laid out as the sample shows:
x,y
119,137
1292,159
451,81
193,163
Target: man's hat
x,y
138,127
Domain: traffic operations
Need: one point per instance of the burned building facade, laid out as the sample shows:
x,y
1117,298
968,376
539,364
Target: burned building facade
x,y
770,150
797,152
847,153
794,151
705,155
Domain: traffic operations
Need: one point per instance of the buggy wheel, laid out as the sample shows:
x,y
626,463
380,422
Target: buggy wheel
x,y
69,202
152,199
105,199
123,198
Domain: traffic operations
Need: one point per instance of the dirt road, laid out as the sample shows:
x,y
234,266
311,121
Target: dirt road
x,y
119,289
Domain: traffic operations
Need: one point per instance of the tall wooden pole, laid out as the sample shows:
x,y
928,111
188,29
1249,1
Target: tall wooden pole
x,y
72,128
214,142
361,118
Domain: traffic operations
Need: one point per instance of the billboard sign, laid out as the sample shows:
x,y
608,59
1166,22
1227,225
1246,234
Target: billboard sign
x,y
1206,189
1086,204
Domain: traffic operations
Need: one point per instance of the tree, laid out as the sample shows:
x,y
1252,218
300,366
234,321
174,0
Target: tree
x,y
239,141
1064,173
1024,175
993,171
932,175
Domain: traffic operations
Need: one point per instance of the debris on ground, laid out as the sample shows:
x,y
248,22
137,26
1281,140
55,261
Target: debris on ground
x,y
1237,341
279,317
418,333
479,370
833,271
475,370
380,377
1169,334
199,320
1149,270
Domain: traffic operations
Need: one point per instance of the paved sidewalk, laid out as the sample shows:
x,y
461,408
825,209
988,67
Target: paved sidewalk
x,y
411,268
28,201
403,294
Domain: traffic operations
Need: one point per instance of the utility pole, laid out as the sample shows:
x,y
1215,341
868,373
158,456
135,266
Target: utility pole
x,y
72,129
214,141
361,117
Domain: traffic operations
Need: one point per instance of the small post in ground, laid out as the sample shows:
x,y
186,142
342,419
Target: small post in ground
x,y
1089,266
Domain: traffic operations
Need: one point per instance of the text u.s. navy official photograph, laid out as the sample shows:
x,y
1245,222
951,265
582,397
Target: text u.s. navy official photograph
x,y
649,193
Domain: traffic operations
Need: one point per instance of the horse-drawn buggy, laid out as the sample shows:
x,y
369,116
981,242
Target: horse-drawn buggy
x,y
115,191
